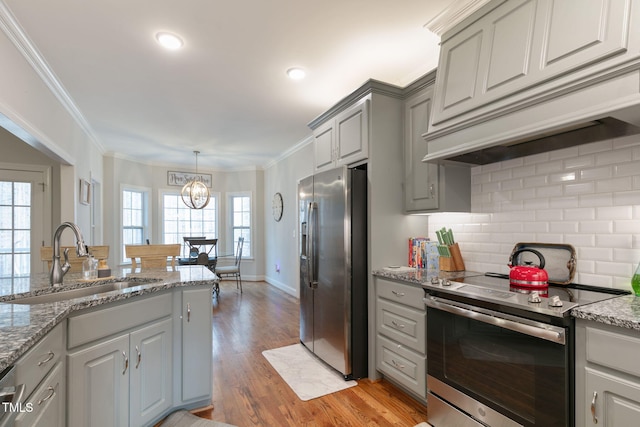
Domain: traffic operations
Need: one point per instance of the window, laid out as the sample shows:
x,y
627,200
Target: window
x,y
241,222
134,218
15,229
179,221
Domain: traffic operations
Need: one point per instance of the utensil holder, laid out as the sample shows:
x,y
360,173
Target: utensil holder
x,y
457,257
446,264
453,263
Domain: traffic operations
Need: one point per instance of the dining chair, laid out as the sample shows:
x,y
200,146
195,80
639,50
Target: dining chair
x,y
98,252
152,256
233,270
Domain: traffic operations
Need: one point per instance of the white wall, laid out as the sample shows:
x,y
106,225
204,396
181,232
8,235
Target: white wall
x,y
281,238
30,110
587,196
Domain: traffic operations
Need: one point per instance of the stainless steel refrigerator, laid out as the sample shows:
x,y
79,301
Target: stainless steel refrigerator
x,y
333,268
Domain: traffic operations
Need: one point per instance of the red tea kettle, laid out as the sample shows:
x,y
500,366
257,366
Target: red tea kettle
x,y
528,276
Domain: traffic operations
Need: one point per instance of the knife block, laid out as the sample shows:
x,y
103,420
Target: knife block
x,y
453,263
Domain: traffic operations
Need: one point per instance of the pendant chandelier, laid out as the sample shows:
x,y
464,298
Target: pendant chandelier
x,y
195,193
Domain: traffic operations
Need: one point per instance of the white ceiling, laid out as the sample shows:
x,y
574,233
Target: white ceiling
x,y
225,93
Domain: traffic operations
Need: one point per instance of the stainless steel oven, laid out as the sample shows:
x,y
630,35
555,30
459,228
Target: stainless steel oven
x,y
495,369
499,357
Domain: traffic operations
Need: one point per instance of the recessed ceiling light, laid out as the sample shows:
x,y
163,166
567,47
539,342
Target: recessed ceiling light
x,y
296,73
169,41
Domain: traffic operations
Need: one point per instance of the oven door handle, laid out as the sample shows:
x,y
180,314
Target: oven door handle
x,y
531,328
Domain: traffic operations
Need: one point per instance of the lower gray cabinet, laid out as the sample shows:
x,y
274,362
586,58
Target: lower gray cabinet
x,y
120,364
607,375
46,406
401,321
99,384
196,351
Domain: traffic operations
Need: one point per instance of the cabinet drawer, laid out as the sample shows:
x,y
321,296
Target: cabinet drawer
x,y
401,323
616,400
402,365
624,358
37,362
401,293
112,320
45,407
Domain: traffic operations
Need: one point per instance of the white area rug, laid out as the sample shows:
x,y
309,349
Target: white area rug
x,y
307,376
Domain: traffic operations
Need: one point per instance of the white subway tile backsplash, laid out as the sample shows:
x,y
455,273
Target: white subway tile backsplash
x,y
603,172
595,200
595,227
586,196
621,155
579,162
618,184
596,147
614,212
580,214
579,188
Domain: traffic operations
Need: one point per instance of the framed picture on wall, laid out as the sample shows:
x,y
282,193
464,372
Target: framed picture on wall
x,y
85,192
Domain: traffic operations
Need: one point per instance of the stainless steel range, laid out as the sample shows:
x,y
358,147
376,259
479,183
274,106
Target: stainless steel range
x,y
500,356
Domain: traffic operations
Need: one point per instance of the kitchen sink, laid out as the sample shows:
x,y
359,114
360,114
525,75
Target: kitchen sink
x,y
76,293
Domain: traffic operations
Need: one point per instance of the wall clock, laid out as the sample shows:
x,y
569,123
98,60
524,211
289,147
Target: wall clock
x,y
277,206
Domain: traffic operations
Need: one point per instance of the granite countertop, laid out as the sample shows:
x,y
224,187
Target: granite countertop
x,y
23,325
622,311
420,276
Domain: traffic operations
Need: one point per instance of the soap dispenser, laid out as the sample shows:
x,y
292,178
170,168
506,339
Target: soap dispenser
x,y
90,268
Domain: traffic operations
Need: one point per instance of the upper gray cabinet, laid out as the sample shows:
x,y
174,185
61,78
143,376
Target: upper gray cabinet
x,y
343,139
429,187
545,64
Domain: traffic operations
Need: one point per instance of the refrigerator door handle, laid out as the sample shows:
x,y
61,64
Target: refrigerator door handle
x,y
311,246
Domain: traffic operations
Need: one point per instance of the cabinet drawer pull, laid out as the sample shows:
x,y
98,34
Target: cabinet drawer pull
x,y
397,325
139,359
398,294
50,355
52,392
593,407
397,365
125,362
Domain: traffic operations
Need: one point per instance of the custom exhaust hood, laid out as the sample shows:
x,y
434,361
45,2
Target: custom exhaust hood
x,y
583,133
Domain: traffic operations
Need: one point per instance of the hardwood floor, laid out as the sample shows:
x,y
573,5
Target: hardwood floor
x,y
248,391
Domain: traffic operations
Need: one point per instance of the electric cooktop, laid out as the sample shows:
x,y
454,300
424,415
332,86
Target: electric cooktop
x,y
493,290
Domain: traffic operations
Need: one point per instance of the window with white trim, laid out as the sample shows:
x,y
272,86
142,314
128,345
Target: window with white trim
x,y
179,221
134,218
240,207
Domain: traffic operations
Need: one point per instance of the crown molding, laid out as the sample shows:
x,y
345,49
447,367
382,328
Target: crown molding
x,y
9,25
452,15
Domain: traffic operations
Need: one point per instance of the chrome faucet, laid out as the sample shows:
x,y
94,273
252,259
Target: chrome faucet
x,y
58,270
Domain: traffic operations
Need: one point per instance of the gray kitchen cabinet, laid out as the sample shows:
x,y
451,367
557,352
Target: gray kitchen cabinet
x,y
120,363
195,350
607,381
150,378
42,372
344,138
46,405
400,346
516,69
429,187
99,384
